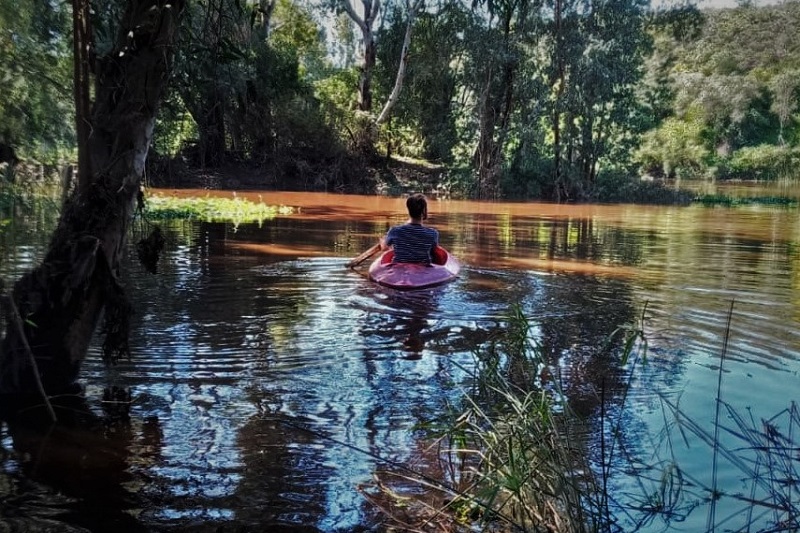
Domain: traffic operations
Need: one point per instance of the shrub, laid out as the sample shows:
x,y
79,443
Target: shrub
x,y
616,187
764,162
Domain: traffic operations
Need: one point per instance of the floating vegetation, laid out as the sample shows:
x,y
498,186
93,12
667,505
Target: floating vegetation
x,y
212,209
732,201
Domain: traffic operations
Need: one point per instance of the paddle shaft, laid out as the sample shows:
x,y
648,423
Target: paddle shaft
x,y
363,257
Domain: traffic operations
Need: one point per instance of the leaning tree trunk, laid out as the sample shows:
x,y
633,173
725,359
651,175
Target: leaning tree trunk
x,y
56,308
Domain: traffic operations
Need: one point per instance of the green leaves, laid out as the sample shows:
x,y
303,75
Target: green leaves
x,y
35,78
211,209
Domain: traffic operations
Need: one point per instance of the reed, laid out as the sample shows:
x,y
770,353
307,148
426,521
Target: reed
x,y
511,452
508,457
763,451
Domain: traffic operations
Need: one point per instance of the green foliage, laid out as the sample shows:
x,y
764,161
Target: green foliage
x,y
337,96
731,90
498,91
244,76
675,149
423,121
618,187
175,127
211,209
529,175
36,107
765,162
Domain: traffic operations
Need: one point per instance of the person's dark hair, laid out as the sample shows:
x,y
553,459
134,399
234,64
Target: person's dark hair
x,y
417,206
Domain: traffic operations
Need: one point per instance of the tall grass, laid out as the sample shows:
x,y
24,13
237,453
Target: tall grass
x,y
524,465
511,457
511,454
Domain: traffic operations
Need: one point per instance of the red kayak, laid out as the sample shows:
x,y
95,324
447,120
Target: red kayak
x,y
408,276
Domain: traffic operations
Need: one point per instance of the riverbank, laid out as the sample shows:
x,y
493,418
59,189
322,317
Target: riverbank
x,y
392,176
397,176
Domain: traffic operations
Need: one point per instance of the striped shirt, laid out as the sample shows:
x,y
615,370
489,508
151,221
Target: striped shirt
x,y
412,243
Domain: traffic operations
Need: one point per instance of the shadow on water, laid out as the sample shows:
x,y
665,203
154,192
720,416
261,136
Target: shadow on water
x,y
76,474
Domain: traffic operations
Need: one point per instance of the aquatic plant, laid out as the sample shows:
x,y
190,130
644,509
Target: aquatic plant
x,y
761,450
211,209
510,456
510,452
734,201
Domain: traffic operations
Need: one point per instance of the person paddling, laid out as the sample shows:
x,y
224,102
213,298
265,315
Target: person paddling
x,y
413,242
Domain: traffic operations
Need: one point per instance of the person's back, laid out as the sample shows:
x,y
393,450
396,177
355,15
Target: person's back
x,y
413,242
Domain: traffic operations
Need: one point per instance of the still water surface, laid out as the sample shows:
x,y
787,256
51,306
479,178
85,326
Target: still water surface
x,y
269,382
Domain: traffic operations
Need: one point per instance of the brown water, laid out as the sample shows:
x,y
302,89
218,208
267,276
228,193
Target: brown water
x,y
269,382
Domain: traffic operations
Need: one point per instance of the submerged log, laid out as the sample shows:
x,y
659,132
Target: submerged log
x,y
62,300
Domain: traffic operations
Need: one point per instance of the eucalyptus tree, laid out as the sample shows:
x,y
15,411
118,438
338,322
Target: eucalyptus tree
x,y
597,51
243,69
412,8
507,25
423,120
273,111
554,86
365,15
54,309
370,17
209,64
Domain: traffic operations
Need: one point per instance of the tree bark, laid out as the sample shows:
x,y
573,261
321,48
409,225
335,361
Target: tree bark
x,y
62,299
488,153
82,61
559,81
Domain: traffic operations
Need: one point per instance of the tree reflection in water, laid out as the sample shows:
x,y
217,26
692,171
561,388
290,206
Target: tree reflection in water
x,y
85,469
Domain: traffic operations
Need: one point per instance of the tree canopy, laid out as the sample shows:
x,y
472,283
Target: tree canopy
x,y
524,98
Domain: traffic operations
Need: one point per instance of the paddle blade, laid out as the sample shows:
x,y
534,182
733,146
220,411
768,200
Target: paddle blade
x,y
363,257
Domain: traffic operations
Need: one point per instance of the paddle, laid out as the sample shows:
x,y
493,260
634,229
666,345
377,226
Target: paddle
x,y
363,257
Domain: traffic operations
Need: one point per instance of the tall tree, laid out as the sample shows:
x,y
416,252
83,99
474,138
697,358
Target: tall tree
x,y
509,21
412,10
365,20
424,118
55,309
601,101
207,67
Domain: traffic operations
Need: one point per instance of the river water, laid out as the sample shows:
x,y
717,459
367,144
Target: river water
x,y
268,382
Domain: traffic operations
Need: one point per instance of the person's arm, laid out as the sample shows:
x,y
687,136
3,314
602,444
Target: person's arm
x,y
387,240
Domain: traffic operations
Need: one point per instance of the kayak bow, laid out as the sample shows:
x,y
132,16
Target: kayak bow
x,y
409,276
